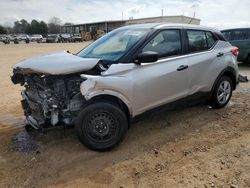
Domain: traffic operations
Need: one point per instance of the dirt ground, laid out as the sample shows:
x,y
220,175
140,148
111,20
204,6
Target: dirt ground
x,y
191,147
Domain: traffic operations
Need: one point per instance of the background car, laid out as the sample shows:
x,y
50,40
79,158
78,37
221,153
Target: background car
x,y
65,38
241,39
5,39
37,38
77,38
52,38
22,37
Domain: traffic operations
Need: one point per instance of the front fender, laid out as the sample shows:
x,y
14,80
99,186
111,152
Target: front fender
x,y
119,87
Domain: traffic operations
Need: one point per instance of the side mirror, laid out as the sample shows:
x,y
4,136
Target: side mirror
x,y
147,57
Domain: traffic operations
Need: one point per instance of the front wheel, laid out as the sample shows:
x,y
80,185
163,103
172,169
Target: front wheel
x,y
222,92
101,126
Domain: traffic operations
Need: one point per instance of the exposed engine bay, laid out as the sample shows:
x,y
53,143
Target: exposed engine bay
x,y
52,99
49,100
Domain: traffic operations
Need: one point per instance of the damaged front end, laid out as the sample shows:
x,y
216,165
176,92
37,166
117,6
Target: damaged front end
x,y
49,100
52,95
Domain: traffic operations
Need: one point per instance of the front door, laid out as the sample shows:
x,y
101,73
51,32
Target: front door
x,y
163,81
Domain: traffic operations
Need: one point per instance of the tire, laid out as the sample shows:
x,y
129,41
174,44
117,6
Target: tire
x,y
101,126
222,92
28,128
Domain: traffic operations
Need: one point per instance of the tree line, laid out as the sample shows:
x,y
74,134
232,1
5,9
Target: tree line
x,y
34,27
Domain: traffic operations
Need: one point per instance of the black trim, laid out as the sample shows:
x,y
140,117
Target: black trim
x,y
191,100
220,36
184,41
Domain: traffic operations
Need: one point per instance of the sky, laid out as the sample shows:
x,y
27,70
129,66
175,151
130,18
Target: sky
x,y
215,13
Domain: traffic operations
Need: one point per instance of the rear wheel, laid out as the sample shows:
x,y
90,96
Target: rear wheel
x,y
222,92
101,126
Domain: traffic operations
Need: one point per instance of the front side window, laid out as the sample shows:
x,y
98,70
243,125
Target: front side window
x,y
166,43
114,45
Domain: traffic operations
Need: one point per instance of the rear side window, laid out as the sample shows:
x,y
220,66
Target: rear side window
x,y
211,39
240,34
166,43
200,40
227,34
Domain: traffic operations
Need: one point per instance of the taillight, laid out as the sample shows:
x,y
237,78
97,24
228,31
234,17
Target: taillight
x,y
235,51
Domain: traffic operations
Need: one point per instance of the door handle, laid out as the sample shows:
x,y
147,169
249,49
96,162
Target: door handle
x,y
182,67
220,54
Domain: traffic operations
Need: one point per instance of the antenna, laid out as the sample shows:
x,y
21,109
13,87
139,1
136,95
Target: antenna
x,y
162,15
192,19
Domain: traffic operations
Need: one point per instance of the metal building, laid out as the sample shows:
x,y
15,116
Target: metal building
x,y
108,26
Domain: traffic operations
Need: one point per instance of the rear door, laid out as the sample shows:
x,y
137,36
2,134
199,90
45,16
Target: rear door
x,y
203,60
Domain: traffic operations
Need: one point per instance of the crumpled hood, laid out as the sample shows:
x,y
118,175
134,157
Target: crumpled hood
x,y
56,64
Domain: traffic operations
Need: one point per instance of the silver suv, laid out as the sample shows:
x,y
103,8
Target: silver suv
x,y
124,74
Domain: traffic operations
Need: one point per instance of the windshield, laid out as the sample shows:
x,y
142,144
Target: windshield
x,y
114,45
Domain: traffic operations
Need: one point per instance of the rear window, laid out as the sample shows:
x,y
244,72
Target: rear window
x,y
200,40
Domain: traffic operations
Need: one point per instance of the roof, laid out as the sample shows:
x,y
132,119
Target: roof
x,y
160,17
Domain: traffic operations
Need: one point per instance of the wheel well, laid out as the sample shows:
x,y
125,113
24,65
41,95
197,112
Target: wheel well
x,y
232,76
114,100
227,72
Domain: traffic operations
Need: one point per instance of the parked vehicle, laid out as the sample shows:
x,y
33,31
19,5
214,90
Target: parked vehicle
x,y
241,39
77,38
65,38
25,38
37,38
52,38
19,38
5,39
127,72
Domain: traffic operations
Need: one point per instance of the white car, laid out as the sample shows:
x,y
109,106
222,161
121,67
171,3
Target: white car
x,y
37,38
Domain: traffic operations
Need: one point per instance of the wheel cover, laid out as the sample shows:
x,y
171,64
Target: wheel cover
x,y
101,127
224,92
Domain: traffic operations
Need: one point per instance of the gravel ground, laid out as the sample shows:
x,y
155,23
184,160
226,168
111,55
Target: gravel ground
x,y
191,147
